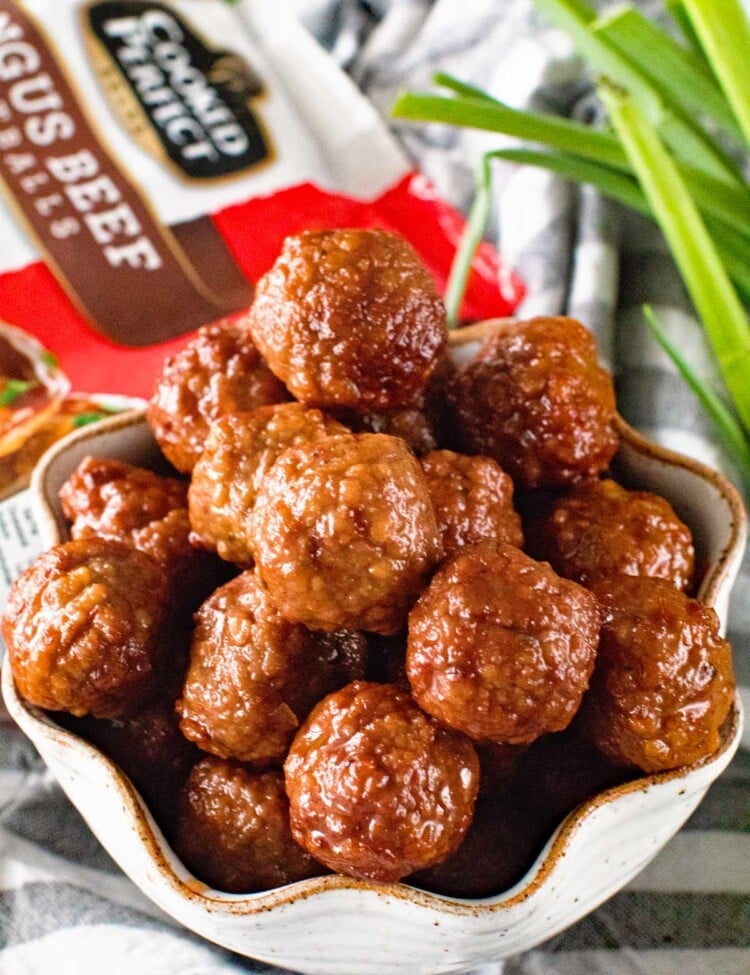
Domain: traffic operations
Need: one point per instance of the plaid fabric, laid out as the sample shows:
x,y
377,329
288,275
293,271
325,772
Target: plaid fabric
x,y
64,906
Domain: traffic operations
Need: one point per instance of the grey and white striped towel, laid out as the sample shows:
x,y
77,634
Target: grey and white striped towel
x,y
64,906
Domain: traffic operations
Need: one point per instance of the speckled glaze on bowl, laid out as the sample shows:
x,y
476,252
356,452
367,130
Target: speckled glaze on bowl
x,y
338,926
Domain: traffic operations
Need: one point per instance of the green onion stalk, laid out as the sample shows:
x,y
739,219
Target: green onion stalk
x,y
674,107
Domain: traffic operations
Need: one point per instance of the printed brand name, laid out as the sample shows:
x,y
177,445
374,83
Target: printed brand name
x,y
168,84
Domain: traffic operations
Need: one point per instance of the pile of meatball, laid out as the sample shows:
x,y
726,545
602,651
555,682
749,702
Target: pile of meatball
x,y
386,615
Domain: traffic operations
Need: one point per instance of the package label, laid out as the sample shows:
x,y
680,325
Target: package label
x,y
185,102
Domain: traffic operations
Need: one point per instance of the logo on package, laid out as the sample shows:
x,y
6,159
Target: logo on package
x,y
179,98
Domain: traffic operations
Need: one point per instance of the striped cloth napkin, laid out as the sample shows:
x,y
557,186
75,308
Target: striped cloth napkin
x,y
65,907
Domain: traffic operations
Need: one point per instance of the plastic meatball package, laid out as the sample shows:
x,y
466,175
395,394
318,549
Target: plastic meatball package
x,y
153,157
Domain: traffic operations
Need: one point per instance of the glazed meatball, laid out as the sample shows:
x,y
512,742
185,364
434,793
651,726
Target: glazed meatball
x,y
473,500
233,829
349,318
376,788
344,533
559,772
415,426
525,793
536,401
500,647
253,676
600,529
151,751
219,371
498,849
83,628
112,499
192,574
663,681
240,450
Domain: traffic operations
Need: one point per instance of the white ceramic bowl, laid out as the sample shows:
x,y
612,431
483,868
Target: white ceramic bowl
x,y
338,926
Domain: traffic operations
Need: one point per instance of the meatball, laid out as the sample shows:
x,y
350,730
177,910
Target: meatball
x,y
561,771
193,574
349,318
112,499
500,647
240,450
233,829
344,533
663,682
414,425
376,788
83,629
525,793
253,676
600,529
150,750
498,849
473,500
536,401
219,371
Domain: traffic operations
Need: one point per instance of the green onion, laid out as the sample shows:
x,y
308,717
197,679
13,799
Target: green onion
x,y
729,430
677,9
84,419
483,113
714,297
461,87
729,203
13,389
624,188
583,11
660,160
724,32
475,225
733,247
681,75
679,129
610,182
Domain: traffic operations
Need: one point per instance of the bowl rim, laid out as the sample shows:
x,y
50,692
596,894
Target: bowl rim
x,y
720,574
